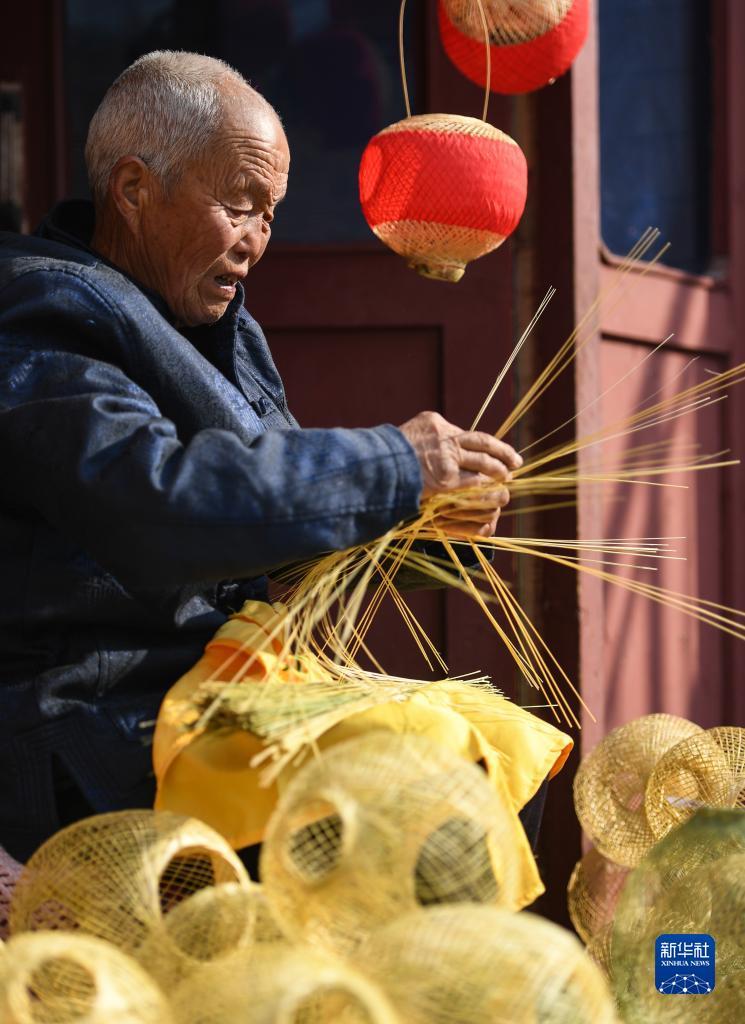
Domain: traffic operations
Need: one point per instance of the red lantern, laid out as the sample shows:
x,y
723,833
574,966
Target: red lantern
x,y
532,41
442,189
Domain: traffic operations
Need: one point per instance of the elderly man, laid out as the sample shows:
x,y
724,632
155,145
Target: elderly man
x,y
152,472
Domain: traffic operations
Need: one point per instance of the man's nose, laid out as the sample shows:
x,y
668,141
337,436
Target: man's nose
x,y
252,239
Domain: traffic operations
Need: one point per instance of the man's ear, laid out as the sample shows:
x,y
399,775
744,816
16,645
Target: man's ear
x,y
131,187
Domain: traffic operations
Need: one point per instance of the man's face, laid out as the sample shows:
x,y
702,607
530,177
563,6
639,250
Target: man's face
x,y
215,223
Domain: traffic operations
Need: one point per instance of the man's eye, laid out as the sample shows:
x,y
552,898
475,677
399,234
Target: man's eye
x,y
235,212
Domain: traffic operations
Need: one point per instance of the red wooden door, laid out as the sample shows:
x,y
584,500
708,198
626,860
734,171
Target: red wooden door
x,y
653,658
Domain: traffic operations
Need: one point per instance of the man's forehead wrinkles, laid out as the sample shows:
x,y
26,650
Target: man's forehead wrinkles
x,y
253,162
253,177
272,149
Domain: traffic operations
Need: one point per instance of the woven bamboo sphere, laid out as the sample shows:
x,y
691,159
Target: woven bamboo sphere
x,y
442,190
279,984
119,875
532,42
211,926
482,965
611,782
64,978
600,950
593,892
378,826
705,770
266,928
692,881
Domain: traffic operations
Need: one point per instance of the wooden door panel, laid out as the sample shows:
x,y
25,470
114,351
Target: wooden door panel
x,y
358,378
657,659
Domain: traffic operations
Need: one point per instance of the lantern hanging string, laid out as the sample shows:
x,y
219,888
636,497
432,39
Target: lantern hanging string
x,y
402,59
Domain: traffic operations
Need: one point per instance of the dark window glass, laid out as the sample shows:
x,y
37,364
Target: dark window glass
x,y
655,125
330,67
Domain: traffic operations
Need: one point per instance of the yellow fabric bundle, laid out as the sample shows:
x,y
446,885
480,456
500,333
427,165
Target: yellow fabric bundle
x,y
207,773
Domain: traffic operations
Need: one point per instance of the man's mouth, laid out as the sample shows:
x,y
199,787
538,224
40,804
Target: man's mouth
x,y
225,285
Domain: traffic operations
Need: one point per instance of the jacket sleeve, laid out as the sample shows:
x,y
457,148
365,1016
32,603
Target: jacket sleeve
x,y
84,447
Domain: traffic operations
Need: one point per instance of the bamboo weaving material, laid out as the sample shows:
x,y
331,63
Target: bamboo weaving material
x,y
211,926
610,785
380,825
64,978
281,985
705,770
594,889
442,190
692,881
532,42
224,748
600,950
117,876
481,965
329,607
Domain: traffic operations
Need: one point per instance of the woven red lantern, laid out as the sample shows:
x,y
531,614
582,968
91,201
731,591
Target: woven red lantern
x,y
442,189
532,42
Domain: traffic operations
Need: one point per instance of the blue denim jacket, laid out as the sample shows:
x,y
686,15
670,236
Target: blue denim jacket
x,y
149,477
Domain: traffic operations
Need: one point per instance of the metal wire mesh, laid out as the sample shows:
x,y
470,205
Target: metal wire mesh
x,y
593,891
120,875
691,882
705,770
63,978
610,785
380,825
482,965
279,984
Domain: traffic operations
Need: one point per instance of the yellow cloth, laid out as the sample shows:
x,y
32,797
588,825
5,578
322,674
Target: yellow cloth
x,y
208,774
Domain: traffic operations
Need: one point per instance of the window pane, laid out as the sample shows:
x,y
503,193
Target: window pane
x,y
330,67
655,125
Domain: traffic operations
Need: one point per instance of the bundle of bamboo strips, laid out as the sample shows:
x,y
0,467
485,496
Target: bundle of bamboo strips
x,y
332,601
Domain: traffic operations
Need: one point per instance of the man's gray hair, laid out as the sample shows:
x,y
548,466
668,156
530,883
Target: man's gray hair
x,y
165,108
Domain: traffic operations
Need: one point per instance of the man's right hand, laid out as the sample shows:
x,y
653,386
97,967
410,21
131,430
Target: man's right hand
x,y
452,459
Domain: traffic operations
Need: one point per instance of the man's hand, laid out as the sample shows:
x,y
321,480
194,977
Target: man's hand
x,y
453,459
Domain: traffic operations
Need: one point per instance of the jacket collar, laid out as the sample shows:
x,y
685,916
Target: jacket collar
x,y
71,223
